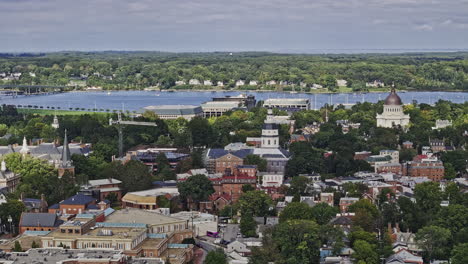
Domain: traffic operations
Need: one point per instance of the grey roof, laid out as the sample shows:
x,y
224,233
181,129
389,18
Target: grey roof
x,y
175,109
217,153
39,219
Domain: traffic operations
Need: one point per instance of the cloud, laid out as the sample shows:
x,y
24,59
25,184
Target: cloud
x,y
227,24
423,27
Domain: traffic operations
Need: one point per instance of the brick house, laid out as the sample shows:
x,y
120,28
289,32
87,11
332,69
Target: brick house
x,y
395,168
345,202
76,204
106,187
38,222
220,160
432,169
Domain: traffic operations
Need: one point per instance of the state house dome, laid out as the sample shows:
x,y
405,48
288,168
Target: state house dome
x,y
393,99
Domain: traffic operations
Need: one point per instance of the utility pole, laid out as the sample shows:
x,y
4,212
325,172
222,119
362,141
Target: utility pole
x,y
119,123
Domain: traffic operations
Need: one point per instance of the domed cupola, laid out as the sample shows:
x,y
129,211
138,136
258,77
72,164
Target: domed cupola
x,y
393,98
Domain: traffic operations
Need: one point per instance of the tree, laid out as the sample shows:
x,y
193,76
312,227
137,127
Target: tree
x,y
17,247
216,257
460,254
433,240
12,208
365,252
248,226
247,188
428,197
449,172
298,241
366,214
296,210
196,188
34,244
256,203
134,175
299,186
322,213
256,160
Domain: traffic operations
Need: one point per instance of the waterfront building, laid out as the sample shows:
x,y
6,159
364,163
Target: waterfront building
x,y
247,101
288,104
175,111
393,114
215,109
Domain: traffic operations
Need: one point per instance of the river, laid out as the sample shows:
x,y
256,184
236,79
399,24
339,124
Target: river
x,y
136,100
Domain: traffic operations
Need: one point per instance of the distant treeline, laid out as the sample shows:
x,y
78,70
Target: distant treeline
x,y
140,69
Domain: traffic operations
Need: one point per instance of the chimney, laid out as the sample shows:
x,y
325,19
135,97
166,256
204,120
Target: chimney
x,y
397,226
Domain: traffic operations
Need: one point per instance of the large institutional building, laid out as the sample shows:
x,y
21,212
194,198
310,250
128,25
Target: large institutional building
x,y
392,112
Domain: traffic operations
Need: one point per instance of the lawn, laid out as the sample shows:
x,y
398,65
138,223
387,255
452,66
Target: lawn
x,y
58,112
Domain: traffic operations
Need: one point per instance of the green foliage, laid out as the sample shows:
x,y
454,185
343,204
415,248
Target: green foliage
x,y
17,247
216,257
296,211
12,208
322,213
256,160
365,252
134,175
256,203
248,226
247,188
460,254
34,244
196,188
433,240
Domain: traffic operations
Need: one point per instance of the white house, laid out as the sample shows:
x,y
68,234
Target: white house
x,y
253,83
341,83
272,180
180,83
272,82
194,82
207,83
240,82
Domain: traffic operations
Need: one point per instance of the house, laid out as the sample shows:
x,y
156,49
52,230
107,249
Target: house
x,y
345,202
317,86
375,83
404,257
207,83
76,204
238,247
38,222
253,83
180,83
148,199
343,221
272,180
220,84
8,179
327,198
439,124
272,82
394,154
106,187
437,145
341,83
407,145
240,82
194,82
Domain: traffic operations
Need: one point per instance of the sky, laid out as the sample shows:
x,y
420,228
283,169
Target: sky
x,y
232,25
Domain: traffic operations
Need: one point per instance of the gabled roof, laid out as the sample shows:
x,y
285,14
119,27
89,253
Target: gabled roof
x,y
79,199
341,220
39,220
218,153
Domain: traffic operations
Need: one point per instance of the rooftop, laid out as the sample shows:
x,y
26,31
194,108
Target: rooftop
x,y
141,216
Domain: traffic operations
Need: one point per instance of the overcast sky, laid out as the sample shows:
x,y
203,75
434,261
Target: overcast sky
x,y
232,25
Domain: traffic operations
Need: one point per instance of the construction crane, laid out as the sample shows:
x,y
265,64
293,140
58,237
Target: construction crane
x,y
119,123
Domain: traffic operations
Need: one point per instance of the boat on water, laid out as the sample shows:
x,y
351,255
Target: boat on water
x,y
108,93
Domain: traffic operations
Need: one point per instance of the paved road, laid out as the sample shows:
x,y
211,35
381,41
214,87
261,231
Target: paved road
x,y
230,232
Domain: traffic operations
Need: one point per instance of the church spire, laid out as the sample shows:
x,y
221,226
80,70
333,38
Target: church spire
x,y
24,149
55,124
66,162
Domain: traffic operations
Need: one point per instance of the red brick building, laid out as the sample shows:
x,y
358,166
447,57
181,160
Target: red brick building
x,y
395,168
106,187
345,202
432,169
38,222
76,204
